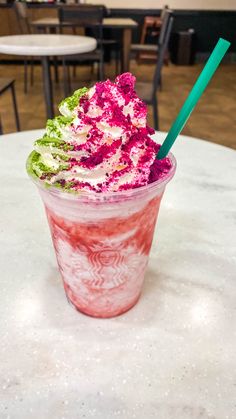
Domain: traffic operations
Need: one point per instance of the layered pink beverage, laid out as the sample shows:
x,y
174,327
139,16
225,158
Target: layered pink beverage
x,y
101,185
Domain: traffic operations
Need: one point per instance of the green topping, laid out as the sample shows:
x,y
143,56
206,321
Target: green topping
x,y
52,143
53,126
67,147
47,141
69,185
63,157
32,158
50,155
36,166
66,187
72,101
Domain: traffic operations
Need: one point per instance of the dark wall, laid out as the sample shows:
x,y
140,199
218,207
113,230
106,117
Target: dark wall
x,y
209,25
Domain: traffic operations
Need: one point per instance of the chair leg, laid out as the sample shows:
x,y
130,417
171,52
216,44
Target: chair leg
x,y
69,80
74,71
160,83
15,106
66,78
155,113
55,64
101,71
25,76
31,72
117,58
93,69
101,67
1,130
74,31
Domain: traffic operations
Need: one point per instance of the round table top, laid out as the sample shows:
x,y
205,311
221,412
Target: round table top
x,y
170,357
46,45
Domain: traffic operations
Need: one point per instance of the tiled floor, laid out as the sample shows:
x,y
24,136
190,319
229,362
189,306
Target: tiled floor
x,y
213,119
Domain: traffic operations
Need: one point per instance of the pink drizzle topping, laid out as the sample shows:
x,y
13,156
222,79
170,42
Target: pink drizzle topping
x,y
117,152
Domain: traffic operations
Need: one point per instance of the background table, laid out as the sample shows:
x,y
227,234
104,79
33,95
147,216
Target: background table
x,y
46,46
126,25
173,355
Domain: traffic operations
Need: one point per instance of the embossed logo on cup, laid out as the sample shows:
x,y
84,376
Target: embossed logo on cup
x,y
98,265
108,267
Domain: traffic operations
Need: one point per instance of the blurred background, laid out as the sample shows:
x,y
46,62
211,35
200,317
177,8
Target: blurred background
x,y
164,45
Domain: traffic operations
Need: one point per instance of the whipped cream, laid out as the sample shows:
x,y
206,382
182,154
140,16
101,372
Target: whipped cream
x,y
101,141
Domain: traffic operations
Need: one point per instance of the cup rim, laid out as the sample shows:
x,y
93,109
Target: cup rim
x,y
113,195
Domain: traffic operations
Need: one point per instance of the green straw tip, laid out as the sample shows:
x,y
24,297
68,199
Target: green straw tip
x,y
224,41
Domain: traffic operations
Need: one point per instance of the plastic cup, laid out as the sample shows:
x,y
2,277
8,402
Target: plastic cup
x,y
102,243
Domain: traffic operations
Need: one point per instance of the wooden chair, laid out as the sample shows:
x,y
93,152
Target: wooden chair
x,y
86,17
148,91
6,84
152,27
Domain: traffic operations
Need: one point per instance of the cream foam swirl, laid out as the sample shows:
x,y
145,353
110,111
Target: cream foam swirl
x,y
100,142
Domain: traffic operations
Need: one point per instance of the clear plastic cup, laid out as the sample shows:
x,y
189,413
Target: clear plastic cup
x,y
102,243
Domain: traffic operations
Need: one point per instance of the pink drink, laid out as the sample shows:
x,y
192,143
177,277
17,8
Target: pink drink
x,y
102,243
101,185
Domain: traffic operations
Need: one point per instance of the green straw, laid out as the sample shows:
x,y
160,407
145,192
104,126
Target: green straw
x,y
193,97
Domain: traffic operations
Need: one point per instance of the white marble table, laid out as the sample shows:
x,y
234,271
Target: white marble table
x,y
45,46
173,355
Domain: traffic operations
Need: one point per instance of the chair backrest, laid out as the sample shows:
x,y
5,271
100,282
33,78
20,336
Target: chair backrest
x,y
22,17
83,15
163,12
161,54
164,26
